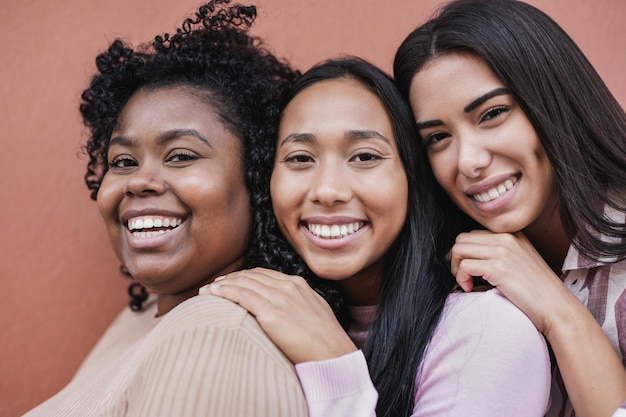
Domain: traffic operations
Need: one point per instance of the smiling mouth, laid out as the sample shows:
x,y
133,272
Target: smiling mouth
x,y
495,192
333,231
150,226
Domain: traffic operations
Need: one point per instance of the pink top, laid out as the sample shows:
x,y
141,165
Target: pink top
x,y
486,358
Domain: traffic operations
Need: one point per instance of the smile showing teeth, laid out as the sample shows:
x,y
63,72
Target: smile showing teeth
x,y
334,231
495,192
158,225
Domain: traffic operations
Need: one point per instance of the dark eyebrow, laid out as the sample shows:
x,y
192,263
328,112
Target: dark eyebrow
x,y
480,100
297,137
350,134
365,134
429,123
161,139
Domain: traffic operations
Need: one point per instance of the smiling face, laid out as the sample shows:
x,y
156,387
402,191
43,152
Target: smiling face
x,y
339,188
483,149
174,200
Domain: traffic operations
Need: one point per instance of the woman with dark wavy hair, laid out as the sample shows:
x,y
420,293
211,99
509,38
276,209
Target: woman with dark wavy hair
x,y
525,137
179,160
355,199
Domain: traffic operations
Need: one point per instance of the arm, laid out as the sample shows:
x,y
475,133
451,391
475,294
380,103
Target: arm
x,y
486,359
294,316
338,387
333,373
594,377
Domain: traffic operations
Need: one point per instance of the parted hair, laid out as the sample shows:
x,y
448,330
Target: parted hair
x,y
580,124
415,283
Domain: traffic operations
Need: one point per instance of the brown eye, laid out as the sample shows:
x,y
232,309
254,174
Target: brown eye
x,y
300,159
123,161
181,156
434,138
493,113
365,157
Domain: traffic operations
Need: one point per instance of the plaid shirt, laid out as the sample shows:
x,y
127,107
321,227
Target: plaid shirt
x,y
601,286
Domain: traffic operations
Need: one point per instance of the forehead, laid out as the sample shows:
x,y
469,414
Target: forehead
x,y
180,103
450,77
150,112
340,104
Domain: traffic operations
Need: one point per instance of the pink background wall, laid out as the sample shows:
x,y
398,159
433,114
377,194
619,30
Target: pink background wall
x,y
58,277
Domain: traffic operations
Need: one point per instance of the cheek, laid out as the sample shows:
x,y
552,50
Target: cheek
x,y
401,195
108,197
284,192
442,168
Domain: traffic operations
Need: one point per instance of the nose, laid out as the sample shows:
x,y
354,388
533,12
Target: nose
x,y
331,185
473,156
146,180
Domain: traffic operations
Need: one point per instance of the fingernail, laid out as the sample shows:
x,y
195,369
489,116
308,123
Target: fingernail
x,y
204,290
219,278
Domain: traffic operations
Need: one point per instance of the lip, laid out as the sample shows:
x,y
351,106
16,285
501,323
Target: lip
x,y
498,202
489,183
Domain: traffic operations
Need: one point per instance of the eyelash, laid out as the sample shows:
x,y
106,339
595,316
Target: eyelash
x,y
115,162
489,114
125,161
371,157
361,157
431,139
492,113
187,156
298,159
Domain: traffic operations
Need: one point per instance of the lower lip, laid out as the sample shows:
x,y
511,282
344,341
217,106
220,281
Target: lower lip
x,y
332,243
498,202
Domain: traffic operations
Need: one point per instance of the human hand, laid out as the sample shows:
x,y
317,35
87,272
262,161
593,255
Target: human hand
x,y
296,318
510,263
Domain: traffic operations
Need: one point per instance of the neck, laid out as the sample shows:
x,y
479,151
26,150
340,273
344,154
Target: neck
x,y
363,288
166,302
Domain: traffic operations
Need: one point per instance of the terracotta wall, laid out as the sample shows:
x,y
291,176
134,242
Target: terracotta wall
x,y
59,283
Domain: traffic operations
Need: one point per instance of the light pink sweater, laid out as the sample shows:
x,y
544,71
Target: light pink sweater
x,y
486,359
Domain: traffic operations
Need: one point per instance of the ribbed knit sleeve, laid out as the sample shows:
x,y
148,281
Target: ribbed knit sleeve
x,y
207,357
198,366
338,387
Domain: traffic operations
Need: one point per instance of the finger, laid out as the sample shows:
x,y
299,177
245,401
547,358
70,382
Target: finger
x,y
465,281
257,304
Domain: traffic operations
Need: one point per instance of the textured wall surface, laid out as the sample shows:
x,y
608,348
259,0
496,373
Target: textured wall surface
x,y
59,283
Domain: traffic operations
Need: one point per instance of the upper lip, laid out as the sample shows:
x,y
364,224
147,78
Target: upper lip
x,y
488,184
332,220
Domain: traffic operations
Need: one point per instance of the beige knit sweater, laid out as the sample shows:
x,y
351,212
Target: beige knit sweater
x,y
206,357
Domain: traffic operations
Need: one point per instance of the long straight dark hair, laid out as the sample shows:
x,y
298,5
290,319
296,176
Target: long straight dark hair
x,y
580,124
415,284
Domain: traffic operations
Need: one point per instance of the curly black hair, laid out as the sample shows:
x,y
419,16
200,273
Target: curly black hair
x,y
239,77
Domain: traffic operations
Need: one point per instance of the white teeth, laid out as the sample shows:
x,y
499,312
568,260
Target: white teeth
x,y
334,231
495,192
149,234
149,222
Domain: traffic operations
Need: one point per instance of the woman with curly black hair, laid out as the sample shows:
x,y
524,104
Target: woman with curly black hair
x,y
180,153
